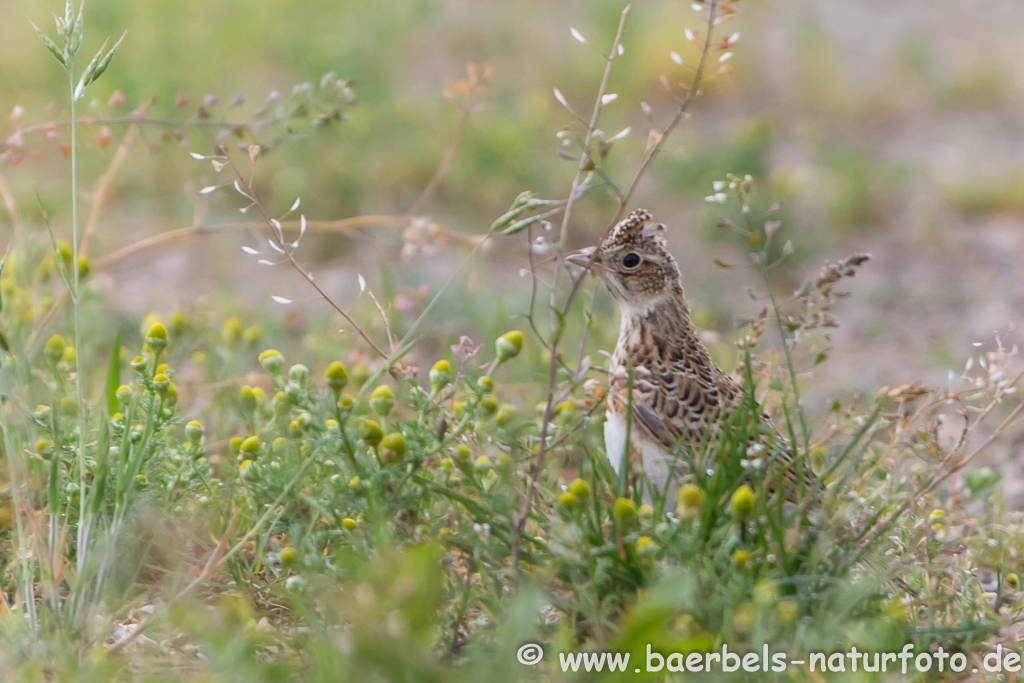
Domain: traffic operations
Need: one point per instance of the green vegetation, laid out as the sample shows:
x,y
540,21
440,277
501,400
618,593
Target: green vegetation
x,y
215,493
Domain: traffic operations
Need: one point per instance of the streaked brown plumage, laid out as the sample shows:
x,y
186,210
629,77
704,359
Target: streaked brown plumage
x,y
678,390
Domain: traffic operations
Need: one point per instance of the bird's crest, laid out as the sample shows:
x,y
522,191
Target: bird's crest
x,y
636,228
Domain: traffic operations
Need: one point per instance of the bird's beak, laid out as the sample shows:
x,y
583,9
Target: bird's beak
x,y
583,257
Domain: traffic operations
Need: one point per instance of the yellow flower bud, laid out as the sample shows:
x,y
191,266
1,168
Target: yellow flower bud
x,y
489,405
272,361
392,448
69,356
247,399
161,384
194,431
371,432
288,556
350,523
742,502
337,376
382,400
579,488
54,348
250,445
509,345
624,509
440,376
157,331
231,333
644,544
690,498
252,335
177,323
505,416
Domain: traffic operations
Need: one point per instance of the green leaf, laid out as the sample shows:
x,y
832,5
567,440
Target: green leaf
x,y
114,375
559,328
106,60
56,252
50,45
88,74
519,226
722,264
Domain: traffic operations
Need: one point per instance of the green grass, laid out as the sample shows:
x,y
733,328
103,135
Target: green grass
x,y
215,493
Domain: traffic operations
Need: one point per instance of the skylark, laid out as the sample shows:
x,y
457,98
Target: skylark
x,y
678,390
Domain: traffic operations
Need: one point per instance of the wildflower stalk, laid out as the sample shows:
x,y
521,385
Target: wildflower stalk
x,y
76,307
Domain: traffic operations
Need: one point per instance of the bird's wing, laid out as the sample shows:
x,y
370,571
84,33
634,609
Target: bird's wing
x,y
673,401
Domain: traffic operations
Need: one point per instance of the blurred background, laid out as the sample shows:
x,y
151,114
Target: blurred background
x,y
891,129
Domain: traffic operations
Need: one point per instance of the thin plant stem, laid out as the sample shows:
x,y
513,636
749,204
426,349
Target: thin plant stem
x,y
76,306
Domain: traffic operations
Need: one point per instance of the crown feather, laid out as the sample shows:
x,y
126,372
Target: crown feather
x,y
631,228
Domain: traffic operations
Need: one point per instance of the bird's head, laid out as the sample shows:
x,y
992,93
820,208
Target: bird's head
x,y
633,263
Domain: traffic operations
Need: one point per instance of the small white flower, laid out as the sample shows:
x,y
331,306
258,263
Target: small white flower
x,y
733,38
720,197
609,98
577,35
689,34
676,58
725,58
718,185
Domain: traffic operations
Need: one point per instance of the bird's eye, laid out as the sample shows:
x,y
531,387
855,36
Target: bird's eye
x,y
631,260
